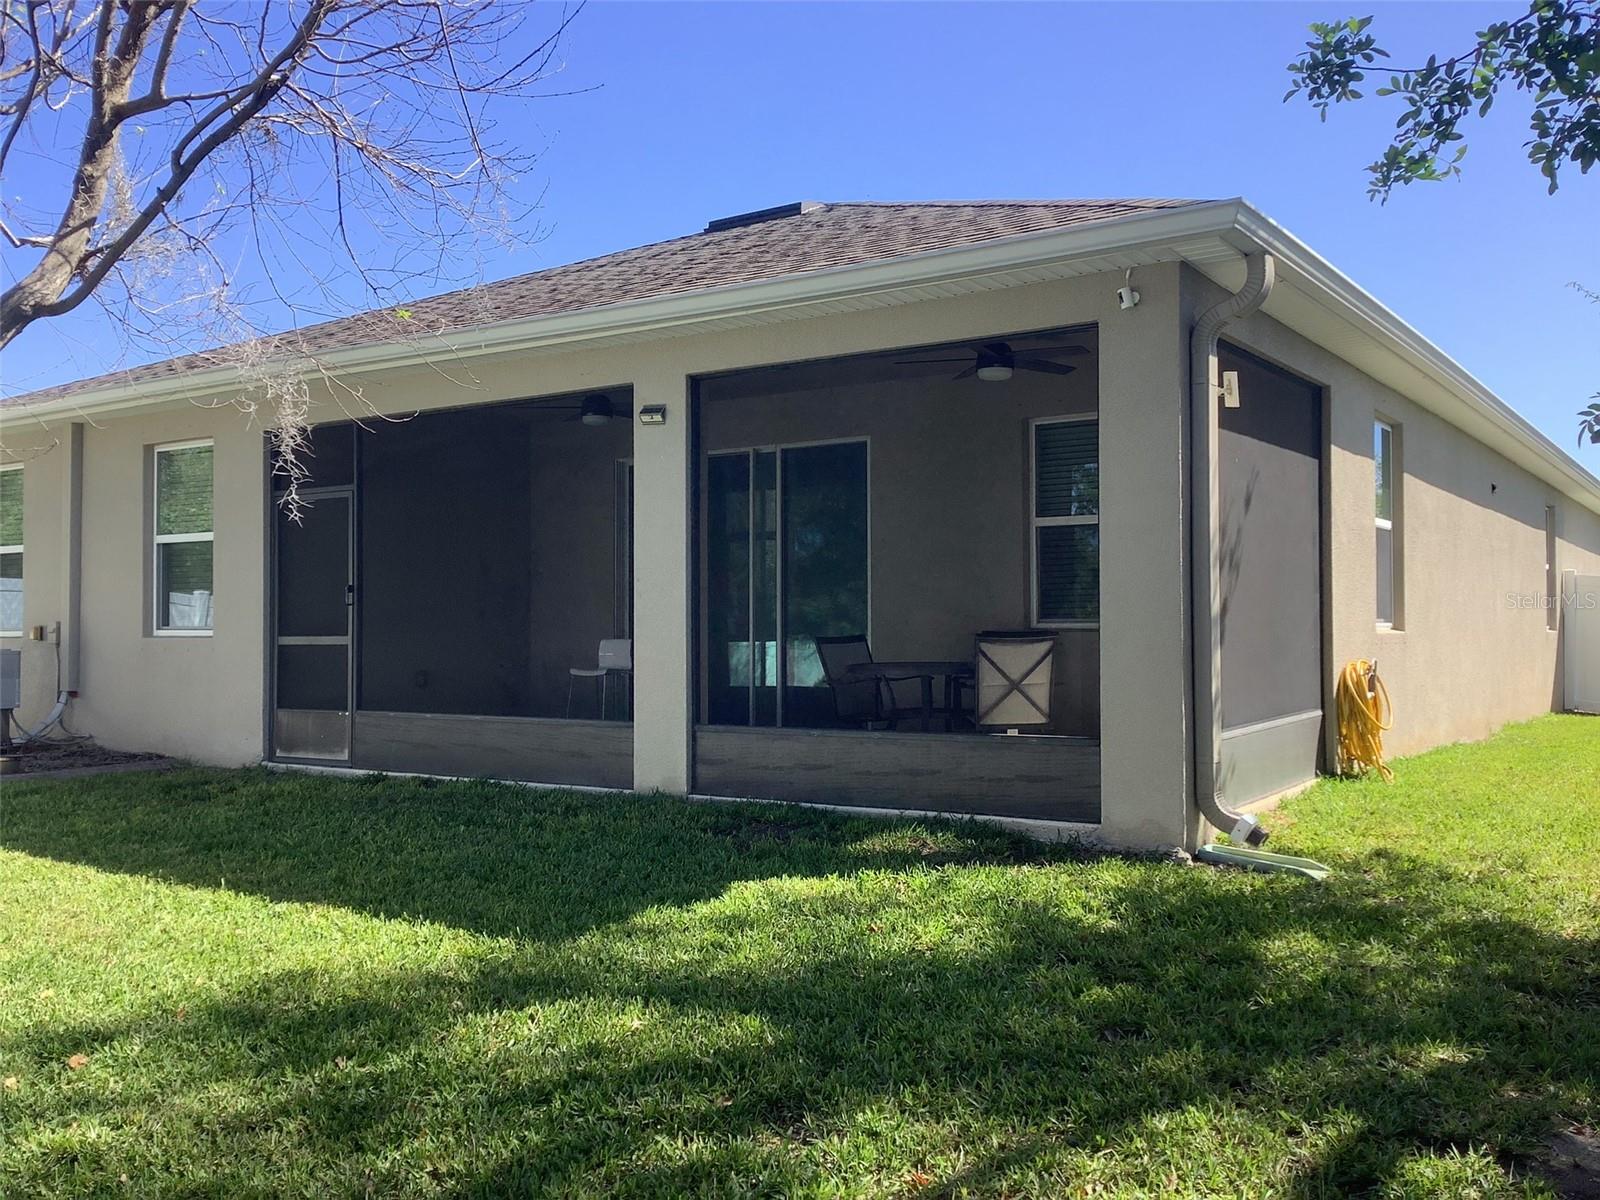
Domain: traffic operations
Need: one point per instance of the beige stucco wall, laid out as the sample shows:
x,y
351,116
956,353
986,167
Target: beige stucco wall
x,y
1464,658
203,696
200,697
45,539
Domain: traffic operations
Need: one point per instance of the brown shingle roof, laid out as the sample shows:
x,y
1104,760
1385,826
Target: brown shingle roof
x,y
821,236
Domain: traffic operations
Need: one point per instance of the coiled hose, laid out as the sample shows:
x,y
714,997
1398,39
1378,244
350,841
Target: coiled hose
x,y
1364,713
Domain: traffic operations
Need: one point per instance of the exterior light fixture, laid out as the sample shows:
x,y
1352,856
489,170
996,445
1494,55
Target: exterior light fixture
x,y
1127,294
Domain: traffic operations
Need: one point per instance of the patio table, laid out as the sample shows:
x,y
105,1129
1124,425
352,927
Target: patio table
x,y
950,669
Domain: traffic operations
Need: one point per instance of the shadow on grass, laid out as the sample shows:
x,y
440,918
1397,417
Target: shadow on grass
x,y
490,858
767,1040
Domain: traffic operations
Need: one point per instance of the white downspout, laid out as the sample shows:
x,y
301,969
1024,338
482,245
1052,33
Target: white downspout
x,y
1205,586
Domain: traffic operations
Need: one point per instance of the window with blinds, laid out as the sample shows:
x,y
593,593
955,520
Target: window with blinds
x,y
184,538
1066,521
11,550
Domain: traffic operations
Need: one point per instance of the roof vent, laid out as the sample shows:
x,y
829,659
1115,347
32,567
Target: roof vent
x,y
762,215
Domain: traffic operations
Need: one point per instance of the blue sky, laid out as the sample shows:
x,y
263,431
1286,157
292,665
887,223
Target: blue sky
x,y
703,110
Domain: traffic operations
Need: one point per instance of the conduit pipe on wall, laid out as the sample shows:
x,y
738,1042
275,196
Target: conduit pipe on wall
x,y
24,736
1205,585
72,594
69,631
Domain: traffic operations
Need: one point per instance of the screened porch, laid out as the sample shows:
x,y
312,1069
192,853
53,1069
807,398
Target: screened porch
x,y
899,579
456,596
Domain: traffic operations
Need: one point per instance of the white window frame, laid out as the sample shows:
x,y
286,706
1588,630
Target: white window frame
x,y
1552,573
16,549
1388,523
1036,522
166,539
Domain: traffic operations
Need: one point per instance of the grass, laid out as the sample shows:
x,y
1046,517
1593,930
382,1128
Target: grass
x,y
292,985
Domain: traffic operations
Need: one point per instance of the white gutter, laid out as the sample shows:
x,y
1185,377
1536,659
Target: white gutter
x,y
1169,234
1317,276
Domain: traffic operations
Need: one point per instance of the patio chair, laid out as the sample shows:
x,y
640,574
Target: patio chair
x,y
856,701
616,655
1014,675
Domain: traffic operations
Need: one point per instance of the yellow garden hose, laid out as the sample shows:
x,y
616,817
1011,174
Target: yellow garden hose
x,y
1362,704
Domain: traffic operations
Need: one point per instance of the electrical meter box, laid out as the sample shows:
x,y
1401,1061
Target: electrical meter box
x,y
10,678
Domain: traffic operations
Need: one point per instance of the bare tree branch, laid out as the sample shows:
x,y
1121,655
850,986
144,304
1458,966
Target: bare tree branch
x,y
194,126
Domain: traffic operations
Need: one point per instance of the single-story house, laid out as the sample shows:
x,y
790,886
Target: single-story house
x,y
1166,437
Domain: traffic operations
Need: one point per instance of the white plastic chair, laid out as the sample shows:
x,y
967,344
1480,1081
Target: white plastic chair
x,y
616,654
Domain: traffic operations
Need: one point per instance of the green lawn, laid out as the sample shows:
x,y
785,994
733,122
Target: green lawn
x,y
291,985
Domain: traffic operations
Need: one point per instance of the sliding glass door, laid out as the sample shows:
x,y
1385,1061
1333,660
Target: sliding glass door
x,y
786,562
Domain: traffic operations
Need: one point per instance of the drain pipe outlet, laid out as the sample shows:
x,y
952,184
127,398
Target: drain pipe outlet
x,y
1205,554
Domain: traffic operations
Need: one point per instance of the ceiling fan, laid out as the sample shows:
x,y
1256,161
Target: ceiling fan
x,y
597,408
994,362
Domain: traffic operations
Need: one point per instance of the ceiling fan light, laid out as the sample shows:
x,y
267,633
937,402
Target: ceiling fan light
x,y
994,372
596,410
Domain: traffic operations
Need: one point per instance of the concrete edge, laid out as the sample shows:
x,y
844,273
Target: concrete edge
x,y
1044,831
124,768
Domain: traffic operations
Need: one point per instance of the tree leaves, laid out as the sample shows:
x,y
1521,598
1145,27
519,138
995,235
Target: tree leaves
x,y
1589,422
1552,53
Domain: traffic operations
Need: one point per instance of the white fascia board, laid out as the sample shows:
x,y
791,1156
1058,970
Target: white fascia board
x,y
1460,398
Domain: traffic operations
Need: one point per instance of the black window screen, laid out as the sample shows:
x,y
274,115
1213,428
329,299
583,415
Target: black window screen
x,y
446,545
327,458
313,677
313,569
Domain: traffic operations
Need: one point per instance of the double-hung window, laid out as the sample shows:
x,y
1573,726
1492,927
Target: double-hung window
x,y
1387,520
11,550
184,539
1066,522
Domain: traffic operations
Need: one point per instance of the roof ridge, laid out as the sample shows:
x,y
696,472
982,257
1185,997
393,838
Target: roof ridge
x,y
1045,202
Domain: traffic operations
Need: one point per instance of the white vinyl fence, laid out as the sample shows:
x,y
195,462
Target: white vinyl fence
x,y
1580,601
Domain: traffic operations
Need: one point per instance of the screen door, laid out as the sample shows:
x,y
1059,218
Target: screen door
x,y
314,611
